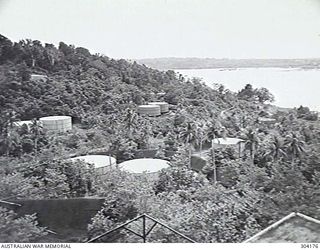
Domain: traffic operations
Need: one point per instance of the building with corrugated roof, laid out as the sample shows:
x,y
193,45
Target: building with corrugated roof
x,y
293,228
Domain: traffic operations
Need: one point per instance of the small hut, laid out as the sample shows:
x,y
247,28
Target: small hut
x,y
228,141
236,143
37,77
268,121
21,123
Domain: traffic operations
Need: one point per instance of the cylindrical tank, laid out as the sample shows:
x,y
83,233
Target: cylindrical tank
x,y
151,110
57,123
147,165
100,162
164,107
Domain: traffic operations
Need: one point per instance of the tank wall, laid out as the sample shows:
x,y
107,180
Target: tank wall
x,y
58,125
103,170
151,110
164,107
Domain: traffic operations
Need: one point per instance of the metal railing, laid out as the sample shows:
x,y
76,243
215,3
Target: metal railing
x,y
145,232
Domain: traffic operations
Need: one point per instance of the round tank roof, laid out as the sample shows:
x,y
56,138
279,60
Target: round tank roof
x,y
148,165
158,103
49,118
148,106
227,141
97,160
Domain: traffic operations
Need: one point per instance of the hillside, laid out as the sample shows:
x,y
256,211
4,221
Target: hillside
x,y
80,83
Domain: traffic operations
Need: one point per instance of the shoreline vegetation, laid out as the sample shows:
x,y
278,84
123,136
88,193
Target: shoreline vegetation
x,y
175,63
227,195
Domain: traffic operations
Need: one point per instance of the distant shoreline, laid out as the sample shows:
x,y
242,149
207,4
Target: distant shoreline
x,y
249,67
211,63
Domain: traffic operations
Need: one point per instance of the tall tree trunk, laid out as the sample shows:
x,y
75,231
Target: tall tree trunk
x,y
214,163
292,161
33,62
190,154
7,148
252,153
36,147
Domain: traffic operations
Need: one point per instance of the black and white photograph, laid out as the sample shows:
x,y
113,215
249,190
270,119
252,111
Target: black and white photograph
x,y
159,121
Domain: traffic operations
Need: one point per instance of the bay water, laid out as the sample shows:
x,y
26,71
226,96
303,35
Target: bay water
x,y
291,87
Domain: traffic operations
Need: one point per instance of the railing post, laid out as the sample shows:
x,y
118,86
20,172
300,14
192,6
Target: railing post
x,y
144,228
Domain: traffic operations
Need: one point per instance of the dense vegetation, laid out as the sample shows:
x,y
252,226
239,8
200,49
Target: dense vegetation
x,y
278,172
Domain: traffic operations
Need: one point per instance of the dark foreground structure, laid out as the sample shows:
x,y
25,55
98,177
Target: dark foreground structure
x,y
66,219
293,228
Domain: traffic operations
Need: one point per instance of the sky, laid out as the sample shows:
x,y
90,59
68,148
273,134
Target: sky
x,y
134,29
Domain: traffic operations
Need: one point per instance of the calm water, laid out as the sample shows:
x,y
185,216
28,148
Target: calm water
x,y
291,87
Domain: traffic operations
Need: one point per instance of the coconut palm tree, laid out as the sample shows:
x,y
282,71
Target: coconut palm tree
x,y
201,135
130,120
214,129
295,146
35,129
276,148
251,142
189,136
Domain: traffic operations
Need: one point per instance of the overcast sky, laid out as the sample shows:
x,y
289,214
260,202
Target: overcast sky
x,y
170,28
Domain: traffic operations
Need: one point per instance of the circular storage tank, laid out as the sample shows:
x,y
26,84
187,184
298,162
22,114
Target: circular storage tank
x,y
57,123
148,165
151,110
164,107
100,162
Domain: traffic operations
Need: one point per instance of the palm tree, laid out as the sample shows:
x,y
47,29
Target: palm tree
x,y
251,142
130,120
189,136
295,146
214,130
35,129
7,142
7,131
276,148
201,135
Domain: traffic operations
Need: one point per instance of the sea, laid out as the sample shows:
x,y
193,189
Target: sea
x,y
291,87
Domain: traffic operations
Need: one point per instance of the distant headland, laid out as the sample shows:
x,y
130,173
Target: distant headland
x,y
211,63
